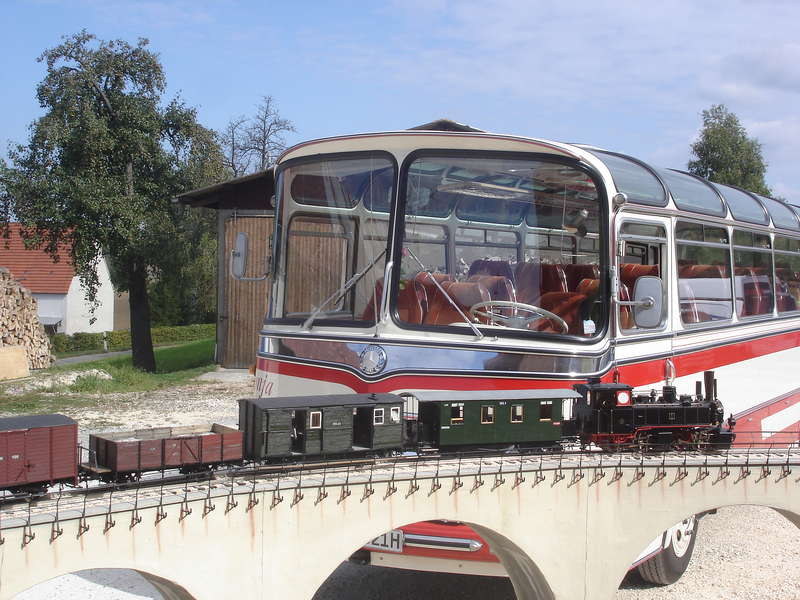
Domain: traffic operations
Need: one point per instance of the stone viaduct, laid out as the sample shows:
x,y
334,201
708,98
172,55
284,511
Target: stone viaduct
x,y
564,527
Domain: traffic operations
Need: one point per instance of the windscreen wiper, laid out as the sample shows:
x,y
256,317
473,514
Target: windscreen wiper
x,y
425,269
339,294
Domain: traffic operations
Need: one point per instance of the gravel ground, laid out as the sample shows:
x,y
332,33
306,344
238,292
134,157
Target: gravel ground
x,y
743,552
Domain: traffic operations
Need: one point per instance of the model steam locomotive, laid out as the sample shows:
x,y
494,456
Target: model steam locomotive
x,y
42,450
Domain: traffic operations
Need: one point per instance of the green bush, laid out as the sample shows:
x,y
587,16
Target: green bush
x,y
121,340
60,342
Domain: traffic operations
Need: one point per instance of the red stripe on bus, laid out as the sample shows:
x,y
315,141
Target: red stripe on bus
x,y
651,371
435,382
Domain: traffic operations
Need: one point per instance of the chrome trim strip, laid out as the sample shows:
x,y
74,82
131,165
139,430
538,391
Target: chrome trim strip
x,y
369,337
442,543
421,359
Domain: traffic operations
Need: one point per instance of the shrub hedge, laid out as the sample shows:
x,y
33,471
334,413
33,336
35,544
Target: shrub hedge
x,y
121,340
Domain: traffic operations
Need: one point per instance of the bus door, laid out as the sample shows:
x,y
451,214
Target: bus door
x,y
644,345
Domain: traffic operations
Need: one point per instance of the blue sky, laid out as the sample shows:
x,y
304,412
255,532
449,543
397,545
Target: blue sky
x,y
629,76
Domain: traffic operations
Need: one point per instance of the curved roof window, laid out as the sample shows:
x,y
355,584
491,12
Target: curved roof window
x,y
782,215
744,207
634,180
692,193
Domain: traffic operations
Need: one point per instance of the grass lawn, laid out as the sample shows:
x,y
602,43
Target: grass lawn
x,y
175,365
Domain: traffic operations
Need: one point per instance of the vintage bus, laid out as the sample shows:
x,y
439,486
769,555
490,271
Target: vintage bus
x,y
464,260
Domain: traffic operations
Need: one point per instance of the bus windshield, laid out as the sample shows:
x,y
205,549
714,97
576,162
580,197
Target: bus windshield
x,y
508,242
334,219
503,242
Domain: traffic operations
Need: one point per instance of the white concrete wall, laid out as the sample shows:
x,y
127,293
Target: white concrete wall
x,y
53,306
78,313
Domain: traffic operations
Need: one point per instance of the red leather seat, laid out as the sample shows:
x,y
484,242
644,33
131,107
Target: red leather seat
x,y
534,278
708,271
553,278
577,273
465,294
756,290
566,305
630,272
412,302
489,266
528,277
589,287
499,288
625,314
427,281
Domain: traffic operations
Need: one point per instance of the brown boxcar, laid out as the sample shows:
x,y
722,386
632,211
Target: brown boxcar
x,y
38,450
125,452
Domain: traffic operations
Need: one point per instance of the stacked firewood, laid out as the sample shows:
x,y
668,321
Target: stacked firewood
x,y
19,323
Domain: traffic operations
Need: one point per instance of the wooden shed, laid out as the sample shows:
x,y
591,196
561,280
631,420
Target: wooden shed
x,y
245,204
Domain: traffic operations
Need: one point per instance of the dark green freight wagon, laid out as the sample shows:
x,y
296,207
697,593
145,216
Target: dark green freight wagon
x,y
315,425
493,418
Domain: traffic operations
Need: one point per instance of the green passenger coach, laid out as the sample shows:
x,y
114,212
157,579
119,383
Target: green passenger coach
x,y
315,425
521,417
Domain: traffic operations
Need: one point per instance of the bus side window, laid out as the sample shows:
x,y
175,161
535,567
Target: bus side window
x,y
642,256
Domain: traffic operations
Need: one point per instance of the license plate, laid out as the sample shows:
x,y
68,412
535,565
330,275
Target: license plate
x,y
391,541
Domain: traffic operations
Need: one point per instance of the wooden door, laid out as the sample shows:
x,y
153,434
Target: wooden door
x,y
3,458
37,454
17,471
245,301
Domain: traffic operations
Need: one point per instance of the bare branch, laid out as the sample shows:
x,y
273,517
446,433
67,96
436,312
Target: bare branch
x,y
265,134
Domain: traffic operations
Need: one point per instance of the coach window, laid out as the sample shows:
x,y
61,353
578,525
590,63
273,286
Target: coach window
x,y
634,179
643,251
782,216
787,274
546,410
316,419
377,417
693,194
517,413
752,274
457,413
487,415
743,206
704,277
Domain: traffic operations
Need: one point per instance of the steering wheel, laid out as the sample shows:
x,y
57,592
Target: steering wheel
x,y
491,310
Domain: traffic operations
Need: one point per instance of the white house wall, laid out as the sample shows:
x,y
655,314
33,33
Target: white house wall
x,y
78,314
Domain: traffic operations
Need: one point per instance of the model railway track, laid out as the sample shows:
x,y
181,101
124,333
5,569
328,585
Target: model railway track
x,y
401,468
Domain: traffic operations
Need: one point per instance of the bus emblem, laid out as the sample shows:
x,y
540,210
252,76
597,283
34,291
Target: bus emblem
x,y
373,359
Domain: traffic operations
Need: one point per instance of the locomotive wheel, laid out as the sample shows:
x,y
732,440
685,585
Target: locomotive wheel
x,y
667,566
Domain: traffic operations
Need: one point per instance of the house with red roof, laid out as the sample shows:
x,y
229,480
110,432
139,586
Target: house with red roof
x,y
63,307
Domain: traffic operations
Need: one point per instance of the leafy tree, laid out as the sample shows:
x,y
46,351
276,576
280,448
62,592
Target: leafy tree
x,y
102,164
187,295
725,154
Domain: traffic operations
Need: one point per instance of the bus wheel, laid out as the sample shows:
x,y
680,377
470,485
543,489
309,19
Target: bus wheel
x,y
667,566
